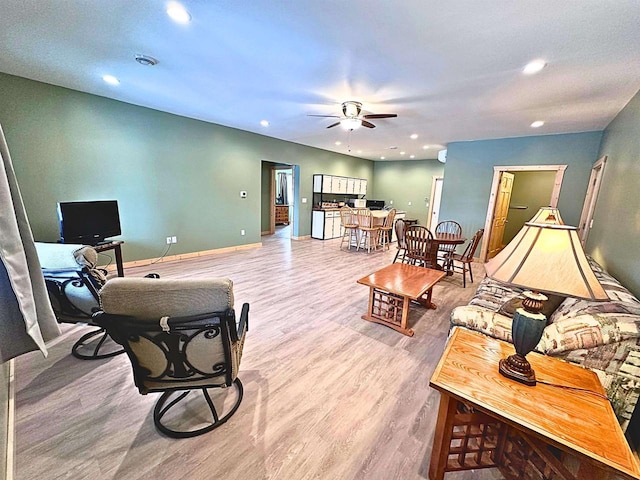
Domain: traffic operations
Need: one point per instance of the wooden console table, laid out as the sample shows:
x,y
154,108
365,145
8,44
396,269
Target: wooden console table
x,y
566,432
116,246
391,290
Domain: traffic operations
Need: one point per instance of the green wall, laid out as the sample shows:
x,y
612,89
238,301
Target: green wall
x,y
532,190
615,236
406,181
468,172
171,175
265,202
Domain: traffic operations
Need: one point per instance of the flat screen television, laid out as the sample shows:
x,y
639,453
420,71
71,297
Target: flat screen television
x,y
88,223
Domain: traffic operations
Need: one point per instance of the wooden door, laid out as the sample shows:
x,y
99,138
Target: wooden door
x,y
500,214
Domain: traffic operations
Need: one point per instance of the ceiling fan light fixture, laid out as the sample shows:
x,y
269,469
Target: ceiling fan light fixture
x,y
350,123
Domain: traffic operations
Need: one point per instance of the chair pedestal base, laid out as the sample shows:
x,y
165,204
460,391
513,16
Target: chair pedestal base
x,y
160,410
83,343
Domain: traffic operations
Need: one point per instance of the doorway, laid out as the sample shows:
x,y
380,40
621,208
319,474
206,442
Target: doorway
x,y
501,191
590,199
434,202
282,201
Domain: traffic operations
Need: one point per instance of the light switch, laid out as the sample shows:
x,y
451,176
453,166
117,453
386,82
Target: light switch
x,y
304,200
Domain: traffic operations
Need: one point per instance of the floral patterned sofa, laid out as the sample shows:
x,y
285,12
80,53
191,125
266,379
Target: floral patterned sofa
x,y
601,336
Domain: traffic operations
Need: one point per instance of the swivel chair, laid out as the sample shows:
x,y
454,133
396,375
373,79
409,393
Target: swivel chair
x,y
181,337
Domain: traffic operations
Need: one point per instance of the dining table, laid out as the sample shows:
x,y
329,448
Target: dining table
x,y
447,239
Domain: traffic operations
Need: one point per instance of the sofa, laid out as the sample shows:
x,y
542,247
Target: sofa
x,y
601,336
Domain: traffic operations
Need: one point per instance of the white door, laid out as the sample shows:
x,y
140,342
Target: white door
x,y
590,199
436,194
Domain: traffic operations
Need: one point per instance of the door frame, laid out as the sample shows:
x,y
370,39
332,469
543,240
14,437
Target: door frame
x,y
272,198
432,197
497,172
590,199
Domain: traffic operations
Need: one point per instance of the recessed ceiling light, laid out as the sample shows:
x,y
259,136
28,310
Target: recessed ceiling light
x,y
537,124
381,158
264,123
425,147
111,80
412,156
178,13
414,136
338,143
402,153
359,151
534,67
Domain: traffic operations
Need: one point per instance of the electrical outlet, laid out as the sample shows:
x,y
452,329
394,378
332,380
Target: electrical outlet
x,y
304,200
174,239
241,232
168,240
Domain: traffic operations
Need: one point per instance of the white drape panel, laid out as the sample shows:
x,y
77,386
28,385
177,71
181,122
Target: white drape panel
x,y
282,189
32,323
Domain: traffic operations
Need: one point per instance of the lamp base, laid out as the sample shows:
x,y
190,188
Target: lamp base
x,y
517,368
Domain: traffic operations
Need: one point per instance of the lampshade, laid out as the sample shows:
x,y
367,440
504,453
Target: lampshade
x,y
547,258
548,215
350,123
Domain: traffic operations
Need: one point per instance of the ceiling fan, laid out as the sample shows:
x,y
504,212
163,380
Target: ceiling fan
x,y
352,118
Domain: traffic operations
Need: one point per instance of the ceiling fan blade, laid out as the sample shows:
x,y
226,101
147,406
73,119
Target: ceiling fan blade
x,y
334,125
381,115
367,124
312,115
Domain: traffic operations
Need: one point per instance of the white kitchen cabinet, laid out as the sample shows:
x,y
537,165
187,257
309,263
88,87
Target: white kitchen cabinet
x,y
351,185
339,185
327,182
326,224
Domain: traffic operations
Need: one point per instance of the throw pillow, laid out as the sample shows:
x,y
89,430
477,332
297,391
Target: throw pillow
x,y
553,302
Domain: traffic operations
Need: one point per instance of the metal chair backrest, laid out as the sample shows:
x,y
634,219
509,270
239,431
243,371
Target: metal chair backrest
x,y
472,246
420,245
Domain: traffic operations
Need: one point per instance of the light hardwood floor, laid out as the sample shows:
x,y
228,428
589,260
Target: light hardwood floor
x,y
327,394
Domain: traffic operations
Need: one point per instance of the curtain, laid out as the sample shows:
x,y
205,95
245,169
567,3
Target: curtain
x,y
26,318
282,197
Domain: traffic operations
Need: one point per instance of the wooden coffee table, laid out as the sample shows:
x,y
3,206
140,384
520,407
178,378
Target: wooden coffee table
x,y
566,430
391,290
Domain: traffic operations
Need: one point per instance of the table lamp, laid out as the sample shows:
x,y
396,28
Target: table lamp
x,y
547,215
544,258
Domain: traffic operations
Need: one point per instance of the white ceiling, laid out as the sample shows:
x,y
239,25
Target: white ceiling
x,y
451,70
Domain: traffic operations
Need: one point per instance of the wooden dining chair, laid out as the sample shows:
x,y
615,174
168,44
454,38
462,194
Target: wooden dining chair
x,y
385,228
464,261
421,249
349,223
444,250
369,232
400,228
